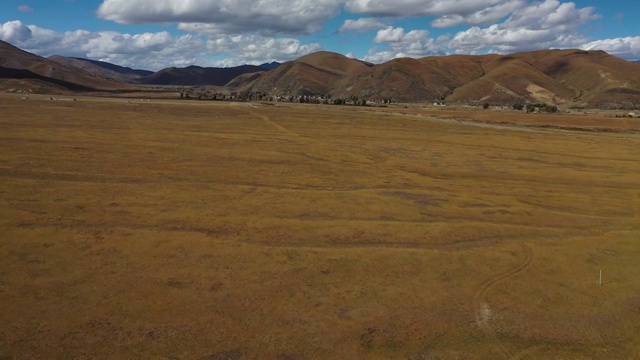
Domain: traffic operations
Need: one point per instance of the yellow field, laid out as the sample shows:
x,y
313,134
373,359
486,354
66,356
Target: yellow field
x,y
198,230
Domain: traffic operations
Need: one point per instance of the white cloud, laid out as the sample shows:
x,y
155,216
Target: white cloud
x,y
389,35
417,7
257,49
226,16
361,25
481,17
233,32
14,32
155,51
548,24
415,43
449,12
25,8
541,25
378,57
627,47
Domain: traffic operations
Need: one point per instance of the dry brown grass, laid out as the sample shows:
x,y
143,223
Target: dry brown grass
x,y
192,230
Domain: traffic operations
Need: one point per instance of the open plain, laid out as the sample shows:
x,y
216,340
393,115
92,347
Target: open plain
x,y
202,230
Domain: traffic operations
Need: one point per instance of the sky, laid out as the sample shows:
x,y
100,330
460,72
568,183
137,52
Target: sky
x,y
156,34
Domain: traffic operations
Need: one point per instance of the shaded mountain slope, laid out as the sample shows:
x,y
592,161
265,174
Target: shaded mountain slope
x,y
13,58
103,69
198,76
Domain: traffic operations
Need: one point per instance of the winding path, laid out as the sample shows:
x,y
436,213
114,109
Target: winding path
x,y
481,308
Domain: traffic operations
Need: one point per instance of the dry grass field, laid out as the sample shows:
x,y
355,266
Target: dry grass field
x,y
196,230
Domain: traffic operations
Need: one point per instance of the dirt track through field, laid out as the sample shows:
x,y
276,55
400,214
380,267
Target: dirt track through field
x,y
274,124
480,306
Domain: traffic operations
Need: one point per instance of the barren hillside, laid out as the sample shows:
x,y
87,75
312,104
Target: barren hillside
x,y
558,77
16,62
103,69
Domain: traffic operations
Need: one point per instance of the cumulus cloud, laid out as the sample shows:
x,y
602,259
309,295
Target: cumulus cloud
x,y
155,51
481,17
377,57
548,24
414,43
539,25
389,35
627,47
417,7
226,16
450,13
233,32
14,32
361,25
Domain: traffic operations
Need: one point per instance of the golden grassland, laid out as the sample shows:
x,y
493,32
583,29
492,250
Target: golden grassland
x,y
191,230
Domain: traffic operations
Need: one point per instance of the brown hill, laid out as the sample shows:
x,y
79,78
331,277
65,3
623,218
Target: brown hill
x,y
18,64
198,76
189,76
559,77
596,78
509,79
314,74
413,80
244,78
103,69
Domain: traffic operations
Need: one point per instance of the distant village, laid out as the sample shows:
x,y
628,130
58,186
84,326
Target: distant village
x,y
211,95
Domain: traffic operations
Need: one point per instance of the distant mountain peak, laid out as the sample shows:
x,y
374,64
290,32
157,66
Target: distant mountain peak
x,y
270,66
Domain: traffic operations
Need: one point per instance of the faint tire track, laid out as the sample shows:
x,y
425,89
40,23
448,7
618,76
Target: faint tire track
x,y
274,124
481,308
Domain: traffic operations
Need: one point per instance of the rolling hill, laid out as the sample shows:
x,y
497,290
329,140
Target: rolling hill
x,y
558,77
36,71
189,76
103,69
314,74
198,76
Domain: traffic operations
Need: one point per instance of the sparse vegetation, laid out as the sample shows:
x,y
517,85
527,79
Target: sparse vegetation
x,y
551,109
193,230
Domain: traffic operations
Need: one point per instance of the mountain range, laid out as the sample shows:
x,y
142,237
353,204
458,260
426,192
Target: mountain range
x,y
559,77
189,76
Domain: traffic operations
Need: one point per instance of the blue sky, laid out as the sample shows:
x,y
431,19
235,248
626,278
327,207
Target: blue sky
x,y
154,34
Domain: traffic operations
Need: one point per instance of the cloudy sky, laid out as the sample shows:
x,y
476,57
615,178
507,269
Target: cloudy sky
x,y
154,34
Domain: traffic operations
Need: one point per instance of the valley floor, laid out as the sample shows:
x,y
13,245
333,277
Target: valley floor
x,y
207,230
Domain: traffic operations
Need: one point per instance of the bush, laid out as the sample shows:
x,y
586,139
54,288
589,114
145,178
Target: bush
x,y
518,107
485,106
